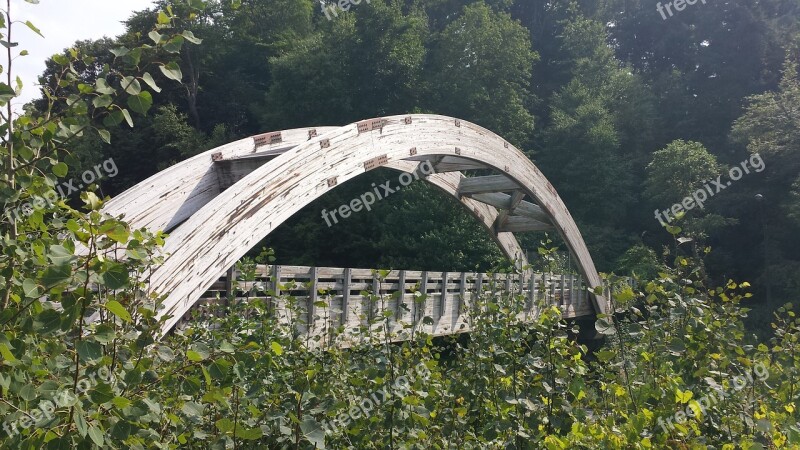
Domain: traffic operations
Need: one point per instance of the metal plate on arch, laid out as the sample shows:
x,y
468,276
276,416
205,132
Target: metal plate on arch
x,y
369,125
375,162
268,138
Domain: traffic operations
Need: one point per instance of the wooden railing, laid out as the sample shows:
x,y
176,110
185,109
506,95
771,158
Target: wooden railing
x,y
329,298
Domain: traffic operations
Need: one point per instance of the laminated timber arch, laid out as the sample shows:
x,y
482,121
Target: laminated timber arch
x,y
219,204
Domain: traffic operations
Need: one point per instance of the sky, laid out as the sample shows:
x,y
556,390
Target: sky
x,y
62,22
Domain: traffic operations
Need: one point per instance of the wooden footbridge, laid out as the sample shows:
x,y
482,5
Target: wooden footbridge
x,y
389,303
219,204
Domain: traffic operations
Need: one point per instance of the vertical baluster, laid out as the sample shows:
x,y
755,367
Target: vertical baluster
x,y
348,274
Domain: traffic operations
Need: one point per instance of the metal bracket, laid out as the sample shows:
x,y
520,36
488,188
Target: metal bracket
x,y
333,182
369,125
458,123
376,162
407,120
325,143
413,151
267,138
312,133
458,151
216,156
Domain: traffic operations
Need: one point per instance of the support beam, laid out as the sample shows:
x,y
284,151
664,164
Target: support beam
x,y
519,224
503,201
451,163
502,218
484,185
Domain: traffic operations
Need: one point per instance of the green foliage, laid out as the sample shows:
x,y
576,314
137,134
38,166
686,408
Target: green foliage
x,y
677,170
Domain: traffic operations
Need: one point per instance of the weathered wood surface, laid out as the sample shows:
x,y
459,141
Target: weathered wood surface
x,y
351,297
219,227
166,199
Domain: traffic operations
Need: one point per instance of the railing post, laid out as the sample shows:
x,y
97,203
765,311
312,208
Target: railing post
x,y
443,296
229,286
423,286
463,298
276,287
348,273
532,292
563,299
312,296
376,291
401,285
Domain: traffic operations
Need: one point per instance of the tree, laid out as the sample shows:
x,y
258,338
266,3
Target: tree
x,y
480,70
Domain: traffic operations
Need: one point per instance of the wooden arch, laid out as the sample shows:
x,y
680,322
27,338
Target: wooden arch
x,y
219,204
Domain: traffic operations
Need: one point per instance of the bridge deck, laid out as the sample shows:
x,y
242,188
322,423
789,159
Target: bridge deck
x,y
329,298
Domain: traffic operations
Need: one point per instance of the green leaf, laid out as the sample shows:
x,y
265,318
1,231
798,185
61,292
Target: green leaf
x,y
7,93
150,81
118,310
276,348
127,117
313,432
251,434
141,103
102,87
191,37
120,51
102,101
33,28
155,36
172,71
119,233
6,354
174,45
53,276
163,19
104,333
131,85
115,277
60,255
89,350
30,288
97,435
48,321
113,119
105,135
60,170
224,425
194,356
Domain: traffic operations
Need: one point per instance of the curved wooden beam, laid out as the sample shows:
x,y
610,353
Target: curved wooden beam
x,y
168,198
222,231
